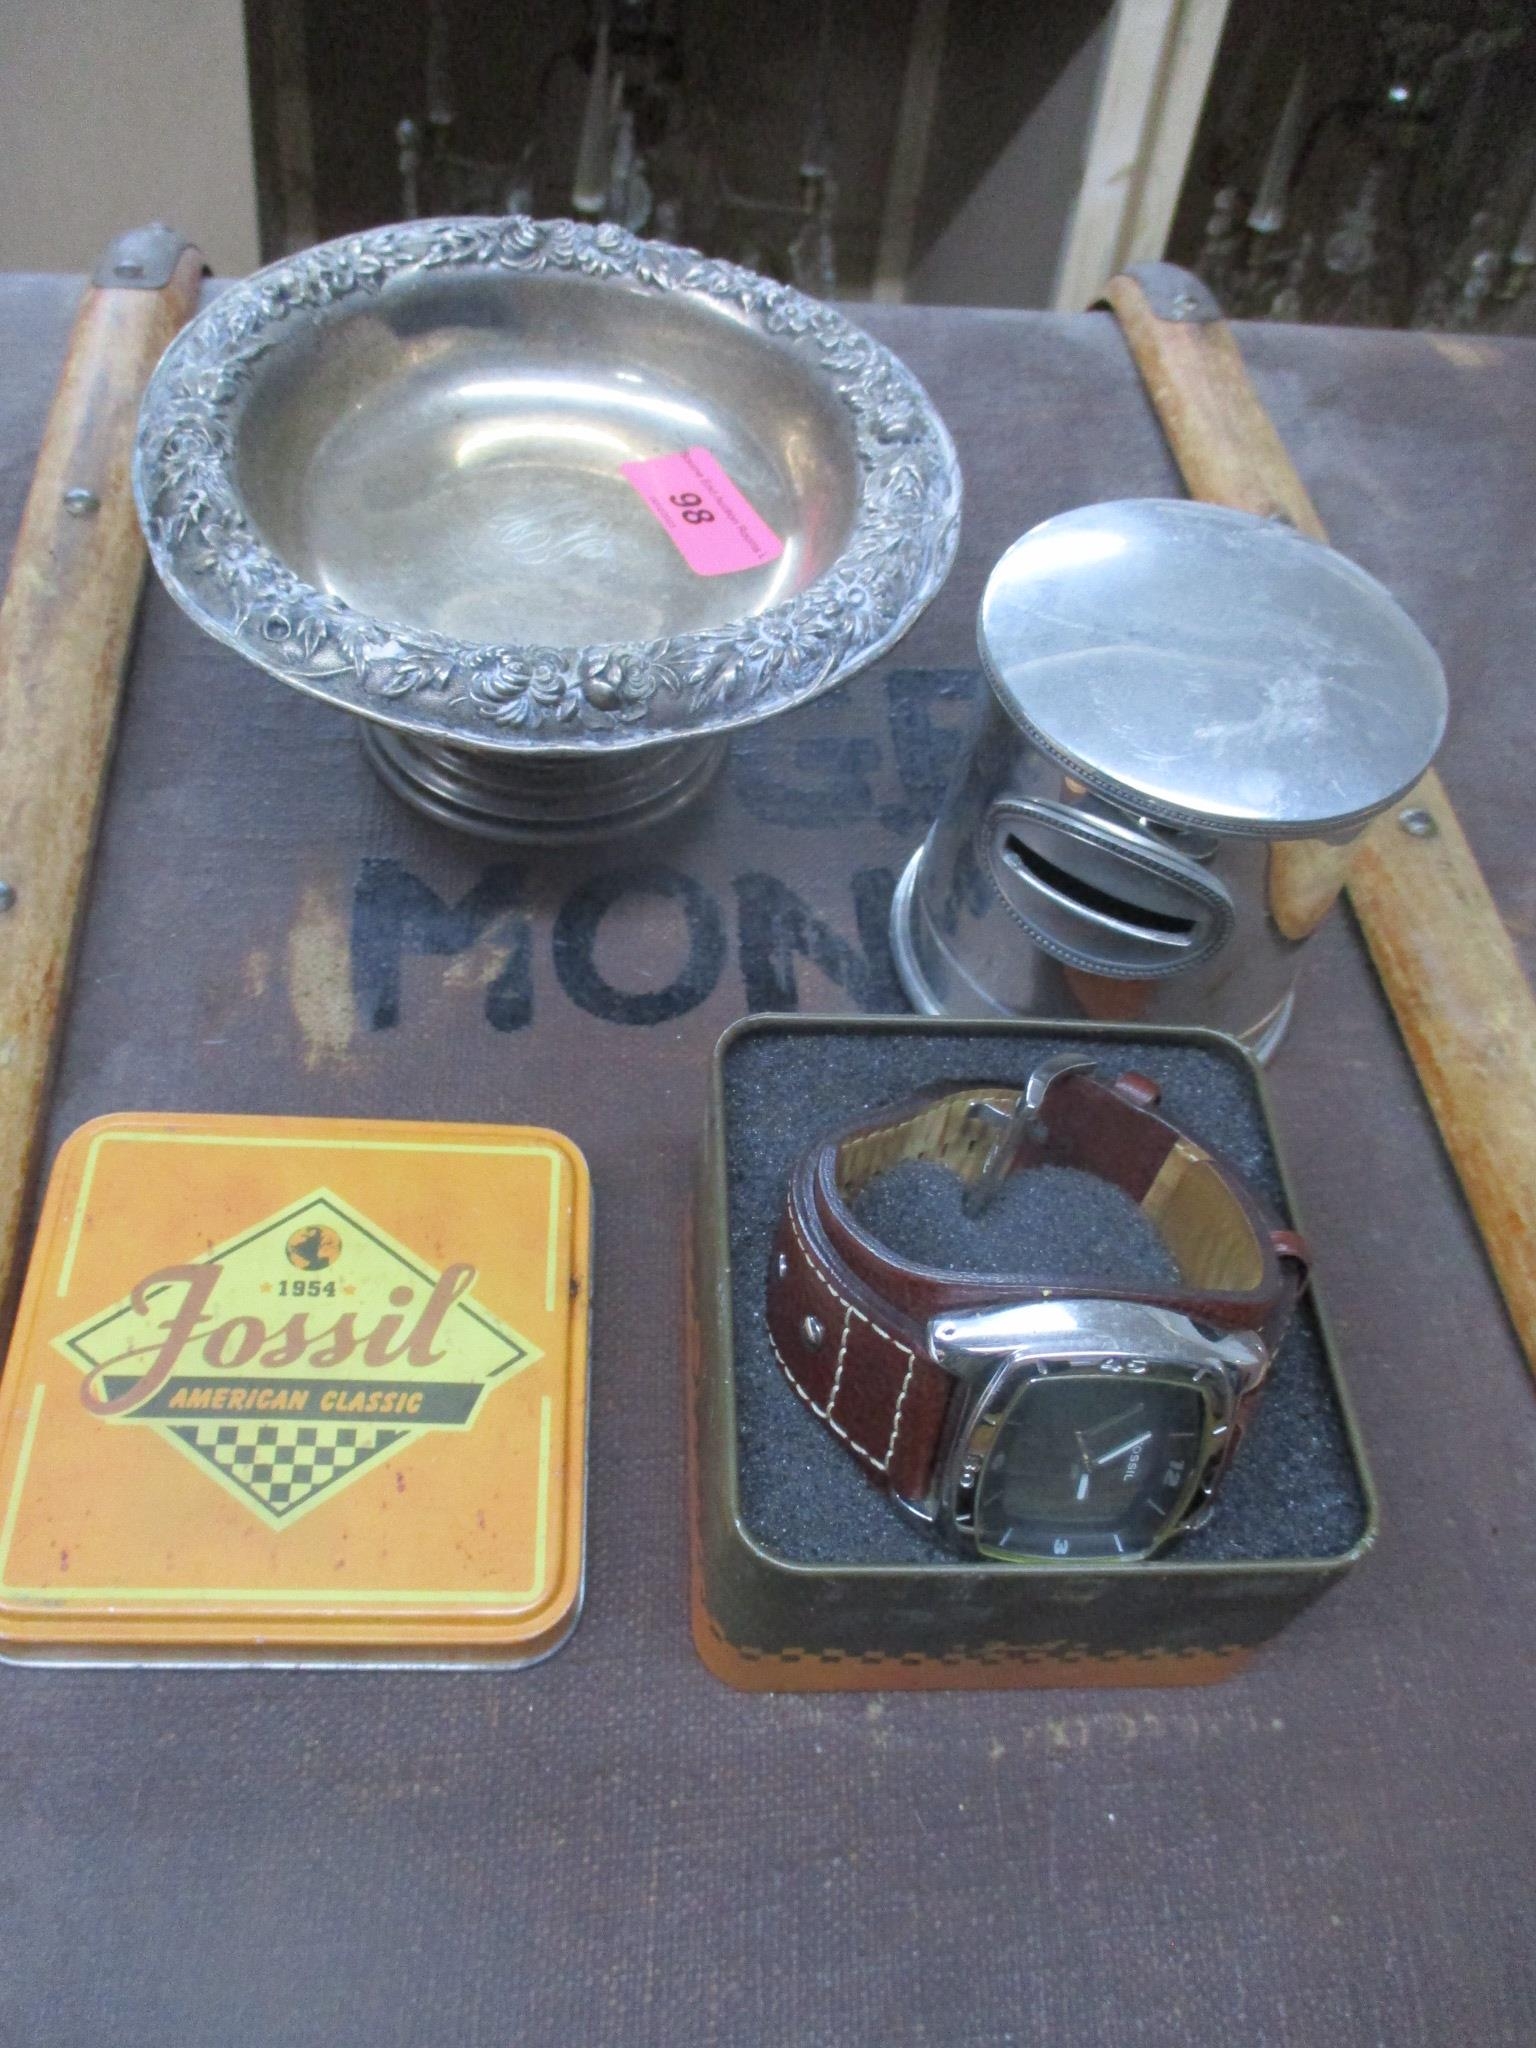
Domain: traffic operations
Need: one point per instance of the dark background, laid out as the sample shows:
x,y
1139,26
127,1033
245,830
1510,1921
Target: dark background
x,y
1432,98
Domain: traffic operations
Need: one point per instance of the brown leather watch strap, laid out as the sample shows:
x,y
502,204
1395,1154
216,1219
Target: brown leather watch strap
x,y
848,1318
860,1365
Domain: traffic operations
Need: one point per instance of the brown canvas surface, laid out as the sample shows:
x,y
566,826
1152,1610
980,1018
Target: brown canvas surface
x,y
1333,1848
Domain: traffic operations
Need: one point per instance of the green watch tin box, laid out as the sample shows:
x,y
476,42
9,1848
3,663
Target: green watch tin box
x,y
805,1577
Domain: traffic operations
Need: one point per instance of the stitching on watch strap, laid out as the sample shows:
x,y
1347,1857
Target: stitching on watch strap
x,y
850,1310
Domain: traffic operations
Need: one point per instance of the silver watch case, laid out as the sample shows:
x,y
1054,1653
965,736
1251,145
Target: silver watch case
x,y
994,1351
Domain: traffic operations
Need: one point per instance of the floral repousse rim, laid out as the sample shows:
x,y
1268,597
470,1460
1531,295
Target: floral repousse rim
x,y
216,566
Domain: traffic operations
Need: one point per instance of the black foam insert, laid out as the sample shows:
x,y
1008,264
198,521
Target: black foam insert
x,y
1293,1490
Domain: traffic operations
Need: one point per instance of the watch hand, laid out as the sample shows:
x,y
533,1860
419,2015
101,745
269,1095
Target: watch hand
x,y
1124,1450
1082,1484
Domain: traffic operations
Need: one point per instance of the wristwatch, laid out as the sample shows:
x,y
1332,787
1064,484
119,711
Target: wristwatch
x,y
1037,1418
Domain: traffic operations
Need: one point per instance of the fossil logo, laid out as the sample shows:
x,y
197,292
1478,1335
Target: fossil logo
x,y
290,1360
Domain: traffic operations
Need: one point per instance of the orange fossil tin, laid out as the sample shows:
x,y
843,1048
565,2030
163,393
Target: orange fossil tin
x,y
291,1390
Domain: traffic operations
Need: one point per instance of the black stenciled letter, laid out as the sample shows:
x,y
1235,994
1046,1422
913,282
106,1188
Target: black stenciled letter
x,y
575,942
926,748
776,924
830,774
394,913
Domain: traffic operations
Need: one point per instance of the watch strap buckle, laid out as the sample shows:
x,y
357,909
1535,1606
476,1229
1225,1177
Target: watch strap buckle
x,y
1013,1128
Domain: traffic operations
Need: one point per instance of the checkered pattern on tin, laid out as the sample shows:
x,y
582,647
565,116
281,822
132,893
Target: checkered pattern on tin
x,y
285,1463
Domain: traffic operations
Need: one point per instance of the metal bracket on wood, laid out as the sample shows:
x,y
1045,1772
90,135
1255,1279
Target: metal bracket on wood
x,y
1175,294
143,260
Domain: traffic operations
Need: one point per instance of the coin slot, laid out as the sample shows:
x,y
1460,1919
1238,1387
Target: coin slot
x,y
1101,895
1157,926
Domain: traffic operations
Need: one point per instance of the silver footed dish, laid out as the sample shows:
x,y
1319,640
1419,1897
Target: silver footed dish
x,y
390,471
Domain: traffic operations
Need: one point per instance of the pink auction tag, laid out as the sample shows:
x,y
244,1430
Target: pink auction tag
x,y
707,519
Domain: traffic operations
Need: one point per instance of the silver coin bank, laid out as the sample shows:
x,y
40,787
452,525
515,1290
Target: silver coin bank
x,y
1192,712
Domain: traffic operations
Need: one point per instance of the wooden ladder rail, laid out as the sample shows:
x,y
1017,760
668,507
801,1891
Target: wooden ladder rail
x,y
1440,948
66,625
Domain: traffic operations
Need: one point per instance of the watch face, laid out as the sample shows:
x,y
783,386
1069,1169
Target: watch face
x,y
1089,1464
